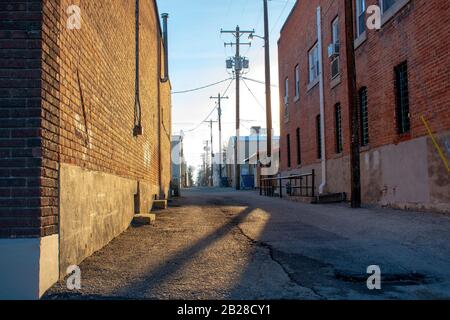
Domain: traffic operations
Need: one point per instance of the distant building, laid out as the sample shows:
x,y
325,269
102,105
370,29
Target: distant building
x,y
403,86
250,146
179,174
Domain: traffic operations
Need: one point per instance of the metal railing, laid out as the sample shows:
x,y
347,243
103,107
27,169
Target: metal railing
x,y
302,185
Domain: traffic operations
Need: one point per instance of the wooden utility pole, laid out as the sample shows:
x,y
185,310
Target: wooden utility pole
x,y
353,106
238,66
219,111
268,84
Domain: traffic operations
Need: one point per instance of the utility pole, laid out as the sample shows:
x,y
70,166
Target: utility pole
x,y
238,66
212,152
206,163
353,106
219,111
268,84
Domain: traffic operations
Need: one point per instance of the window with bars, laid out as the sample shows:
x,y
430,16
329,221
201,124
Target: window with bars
x,y
364,116
288,140
299,148
402,98
319,137
338,127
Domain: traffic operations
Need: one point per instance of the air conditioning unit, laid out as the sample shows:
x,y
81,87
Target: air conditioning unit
x,y
333,50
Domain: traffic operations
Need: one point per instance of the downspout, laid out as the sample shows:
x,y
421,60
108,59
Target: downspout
x,y
322,102
164,39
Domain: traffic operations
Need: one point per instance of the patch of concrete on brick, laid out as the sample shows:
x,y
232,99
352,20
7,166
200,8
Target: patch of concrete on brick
x,y
95,207
439,177
405,176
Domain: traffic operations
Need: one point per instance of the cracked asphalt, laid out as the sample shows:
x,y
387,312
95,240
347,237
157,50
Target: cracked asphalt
x,y
222,244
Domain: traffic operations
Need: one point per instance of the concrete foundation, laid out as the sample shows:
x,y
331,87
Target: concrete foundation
x,y
95,208
410,175
28,267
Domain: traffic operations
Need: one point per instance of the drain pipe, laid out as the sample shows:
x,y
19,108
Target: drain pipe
x,y
165,17
161,79
322,102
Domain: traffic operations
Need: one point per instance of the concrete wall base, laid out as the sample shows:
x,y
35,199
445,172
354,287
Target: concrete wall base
x,y
28,267
96,207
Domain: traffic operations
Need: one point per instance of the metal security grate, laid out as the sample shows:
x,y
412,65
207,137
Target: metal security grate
x,y
319,138
364,116
299,147
402,98
288,140
338,128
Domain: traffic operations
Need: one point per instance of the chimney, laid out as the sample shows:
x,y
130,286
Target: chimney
x,y
164,17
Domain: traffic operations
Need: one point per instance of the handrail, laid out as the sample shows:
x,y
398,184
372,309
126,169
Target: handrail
x,y
302,185
289,177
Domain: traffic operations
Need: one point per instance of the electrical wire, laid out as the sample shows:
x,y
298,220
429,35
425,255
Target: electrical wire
x,y
259,81
214,109
254,97
203,87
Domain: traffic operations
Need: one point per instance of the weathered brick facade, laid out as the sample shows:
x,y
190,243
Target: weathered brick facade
x,y
21,212
400,170
67,110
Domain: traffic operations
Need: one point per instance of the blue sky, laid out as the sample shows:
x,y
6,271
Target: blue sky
x,y
197,57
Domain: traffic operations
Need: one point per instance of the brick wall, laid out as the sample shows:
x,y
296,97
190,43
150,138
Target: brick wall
x,y
68,97
21,210
414,35
419,34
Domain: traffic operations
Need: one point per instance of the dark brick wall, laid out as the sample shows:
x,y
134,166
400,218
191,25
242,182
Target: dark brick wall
x,y
20,123
46,73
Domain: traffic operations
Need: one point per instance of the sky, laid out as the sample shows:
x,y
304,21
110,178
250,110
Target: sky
x,y
197,58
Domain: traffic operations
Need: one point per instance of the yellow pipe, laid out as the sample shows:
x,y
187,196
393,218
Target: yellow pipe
x,y
441,153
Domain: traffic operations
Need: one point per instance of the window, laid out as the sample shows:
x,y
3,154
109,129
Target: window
x,y
286,97
289,150
386,5
402,98
360,17
313,63
319,137
335,48
299,150
297,82
364,117
338,127
335,31
286,91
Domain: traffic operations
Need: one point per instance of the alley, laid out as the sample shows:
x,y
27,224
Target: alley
x,y
222,244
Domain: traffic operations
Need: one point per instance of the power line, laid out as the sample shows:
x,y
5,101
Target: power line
x,y
203,87
198,126
253,95
214,109
259,81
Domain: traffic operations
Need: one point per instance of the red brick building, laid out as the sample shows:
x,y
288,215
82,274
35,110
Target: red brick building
x,y
403,83
85,122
